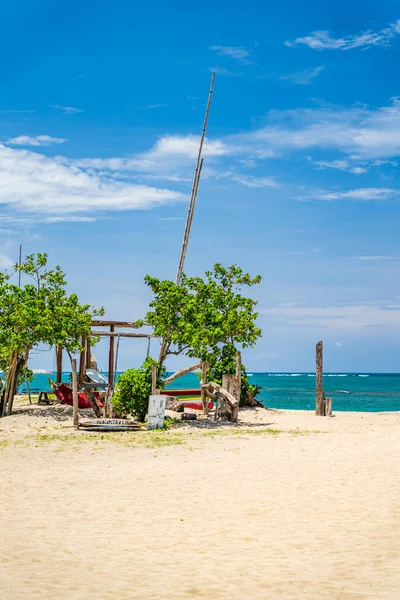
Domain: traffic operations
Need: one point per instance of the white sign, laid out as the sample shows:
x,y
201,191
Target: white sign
x,y
156,412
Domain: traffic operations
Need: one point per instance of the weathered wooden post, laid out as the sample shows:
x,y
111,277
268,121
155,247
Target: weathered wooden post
x,y
328,407
75,399
88,353
204,398
82,362
59,364
320,398
238,374
111,358
153,378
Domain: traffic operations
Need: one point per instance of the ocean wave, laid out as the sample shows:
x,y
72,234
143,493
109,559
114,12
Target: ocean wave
x,y
363,375
342,392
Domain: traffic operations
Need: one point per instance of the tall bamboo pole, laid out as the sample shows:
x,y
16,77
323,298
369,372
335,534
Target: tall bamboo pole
x,y
75,399
320,401
189,218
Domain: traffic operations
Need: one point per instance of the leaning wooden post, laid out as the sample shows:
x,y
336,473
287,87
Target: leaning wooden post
x,y
238,374
204,398
75,399
320,400
328,407
153,378
88,353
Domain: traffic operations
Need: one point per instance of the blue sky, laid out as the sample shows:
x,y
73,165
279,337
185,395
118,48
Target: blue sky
x,y
101,107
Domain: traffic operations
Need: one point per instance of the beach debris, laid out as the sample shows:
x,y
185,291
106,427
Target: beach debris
x,y
188,416
173,403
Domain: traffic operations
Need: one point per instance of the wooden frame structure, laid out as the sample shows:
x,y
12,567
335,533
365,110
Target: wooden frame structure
x,y
84,362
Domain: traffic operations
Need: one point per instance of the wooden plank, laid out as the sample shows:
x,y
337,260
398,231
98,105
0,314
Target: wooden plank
x,y
75,398
328,407
117,324
127,335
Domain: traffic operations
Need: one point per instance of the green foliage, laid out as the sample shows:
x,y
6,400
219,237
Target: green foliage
x,y
134,389
200,317
225,362
39,312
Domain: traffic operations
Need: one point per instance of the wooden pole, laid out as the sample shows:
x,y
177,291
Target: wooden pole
x,y
328,407
88,353
153,378
111,358
320,402
204,398
194,187
82,362
59,353
75,398
19,262
238,374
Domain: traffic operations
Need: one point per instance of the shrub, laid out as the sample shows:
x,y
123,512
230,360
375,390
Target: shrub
x,y
134,389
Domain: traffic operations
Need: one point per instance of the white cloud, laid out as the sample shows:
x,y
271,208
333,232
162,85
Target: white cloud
x,y
304,77
6,112
341,165
236,52
224,72
381,257
340,318
250,180
370,133
359,194
157,105
322,40
70,110
36,140
35,183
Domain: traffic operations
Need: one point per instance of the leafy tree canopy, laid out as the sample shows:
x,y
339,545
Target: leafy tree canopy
x,y
200,317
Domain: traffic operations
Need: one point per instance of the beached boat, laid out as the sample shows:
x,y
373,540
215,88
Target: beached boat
x,y
182,393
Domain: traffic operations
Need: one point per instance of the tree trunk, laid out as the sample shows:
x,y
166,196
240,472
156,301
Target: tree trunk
x,y
15,365
182,372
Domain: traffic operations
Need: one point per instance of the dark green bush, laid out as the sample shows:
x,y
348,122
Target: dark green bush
x,y
134,389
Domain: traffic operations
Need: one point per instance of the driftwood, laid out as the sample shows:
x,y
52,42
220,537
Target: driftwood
x,y
182,372
229,405
93,402
173,403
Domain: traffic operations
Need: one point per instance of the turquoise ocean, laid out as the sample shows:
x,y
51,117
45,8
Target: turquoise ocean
x,y
369,392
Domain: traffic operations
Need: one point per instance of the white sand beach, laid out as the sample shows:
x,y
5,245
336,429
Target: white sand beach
x,y
286,505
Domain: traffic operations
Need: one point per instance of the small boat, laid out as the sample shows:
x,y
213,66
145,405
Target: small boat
x,y
64,394
182,393
196,404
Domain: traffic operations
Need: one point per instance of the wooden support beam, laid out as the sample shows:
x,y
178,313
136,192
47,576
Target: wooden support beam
x,y
125,335
153,378
238,374
59,353
82,362
328,407
320,399
75,399
111,358
88,353
204,399
117,324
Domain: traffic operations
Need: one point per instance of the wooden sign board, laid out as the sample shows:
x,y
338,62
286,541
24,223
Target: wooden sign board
x,y
156,412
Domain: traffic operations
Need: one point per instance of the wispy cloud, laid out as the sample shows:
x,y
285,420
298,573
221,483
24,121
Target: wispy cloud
x,y
347,318
378,257
70,219
304,77
238,53
36,140
359,194
156,105
341,165
56,187
323,40
70,110
6,112
225,72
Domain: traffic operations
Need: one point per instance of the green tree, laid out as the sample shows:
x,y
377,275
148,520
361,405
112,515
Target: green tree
x,y
38,312
205,318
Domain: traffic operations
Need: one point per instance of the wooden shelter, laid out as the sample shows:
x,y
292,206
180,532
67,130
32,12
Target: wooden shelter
x,y
85,357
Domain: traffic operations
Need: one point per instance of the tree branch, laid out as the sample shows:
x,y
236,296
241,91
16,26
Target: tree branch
x,y
181,372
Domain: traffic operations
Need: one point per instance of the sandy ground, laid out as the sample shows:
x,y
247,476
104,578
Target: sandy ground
x,y
286,505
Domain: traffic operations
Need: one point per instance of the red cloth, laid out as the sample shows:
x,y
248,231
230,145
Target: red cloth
x,y
64,394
